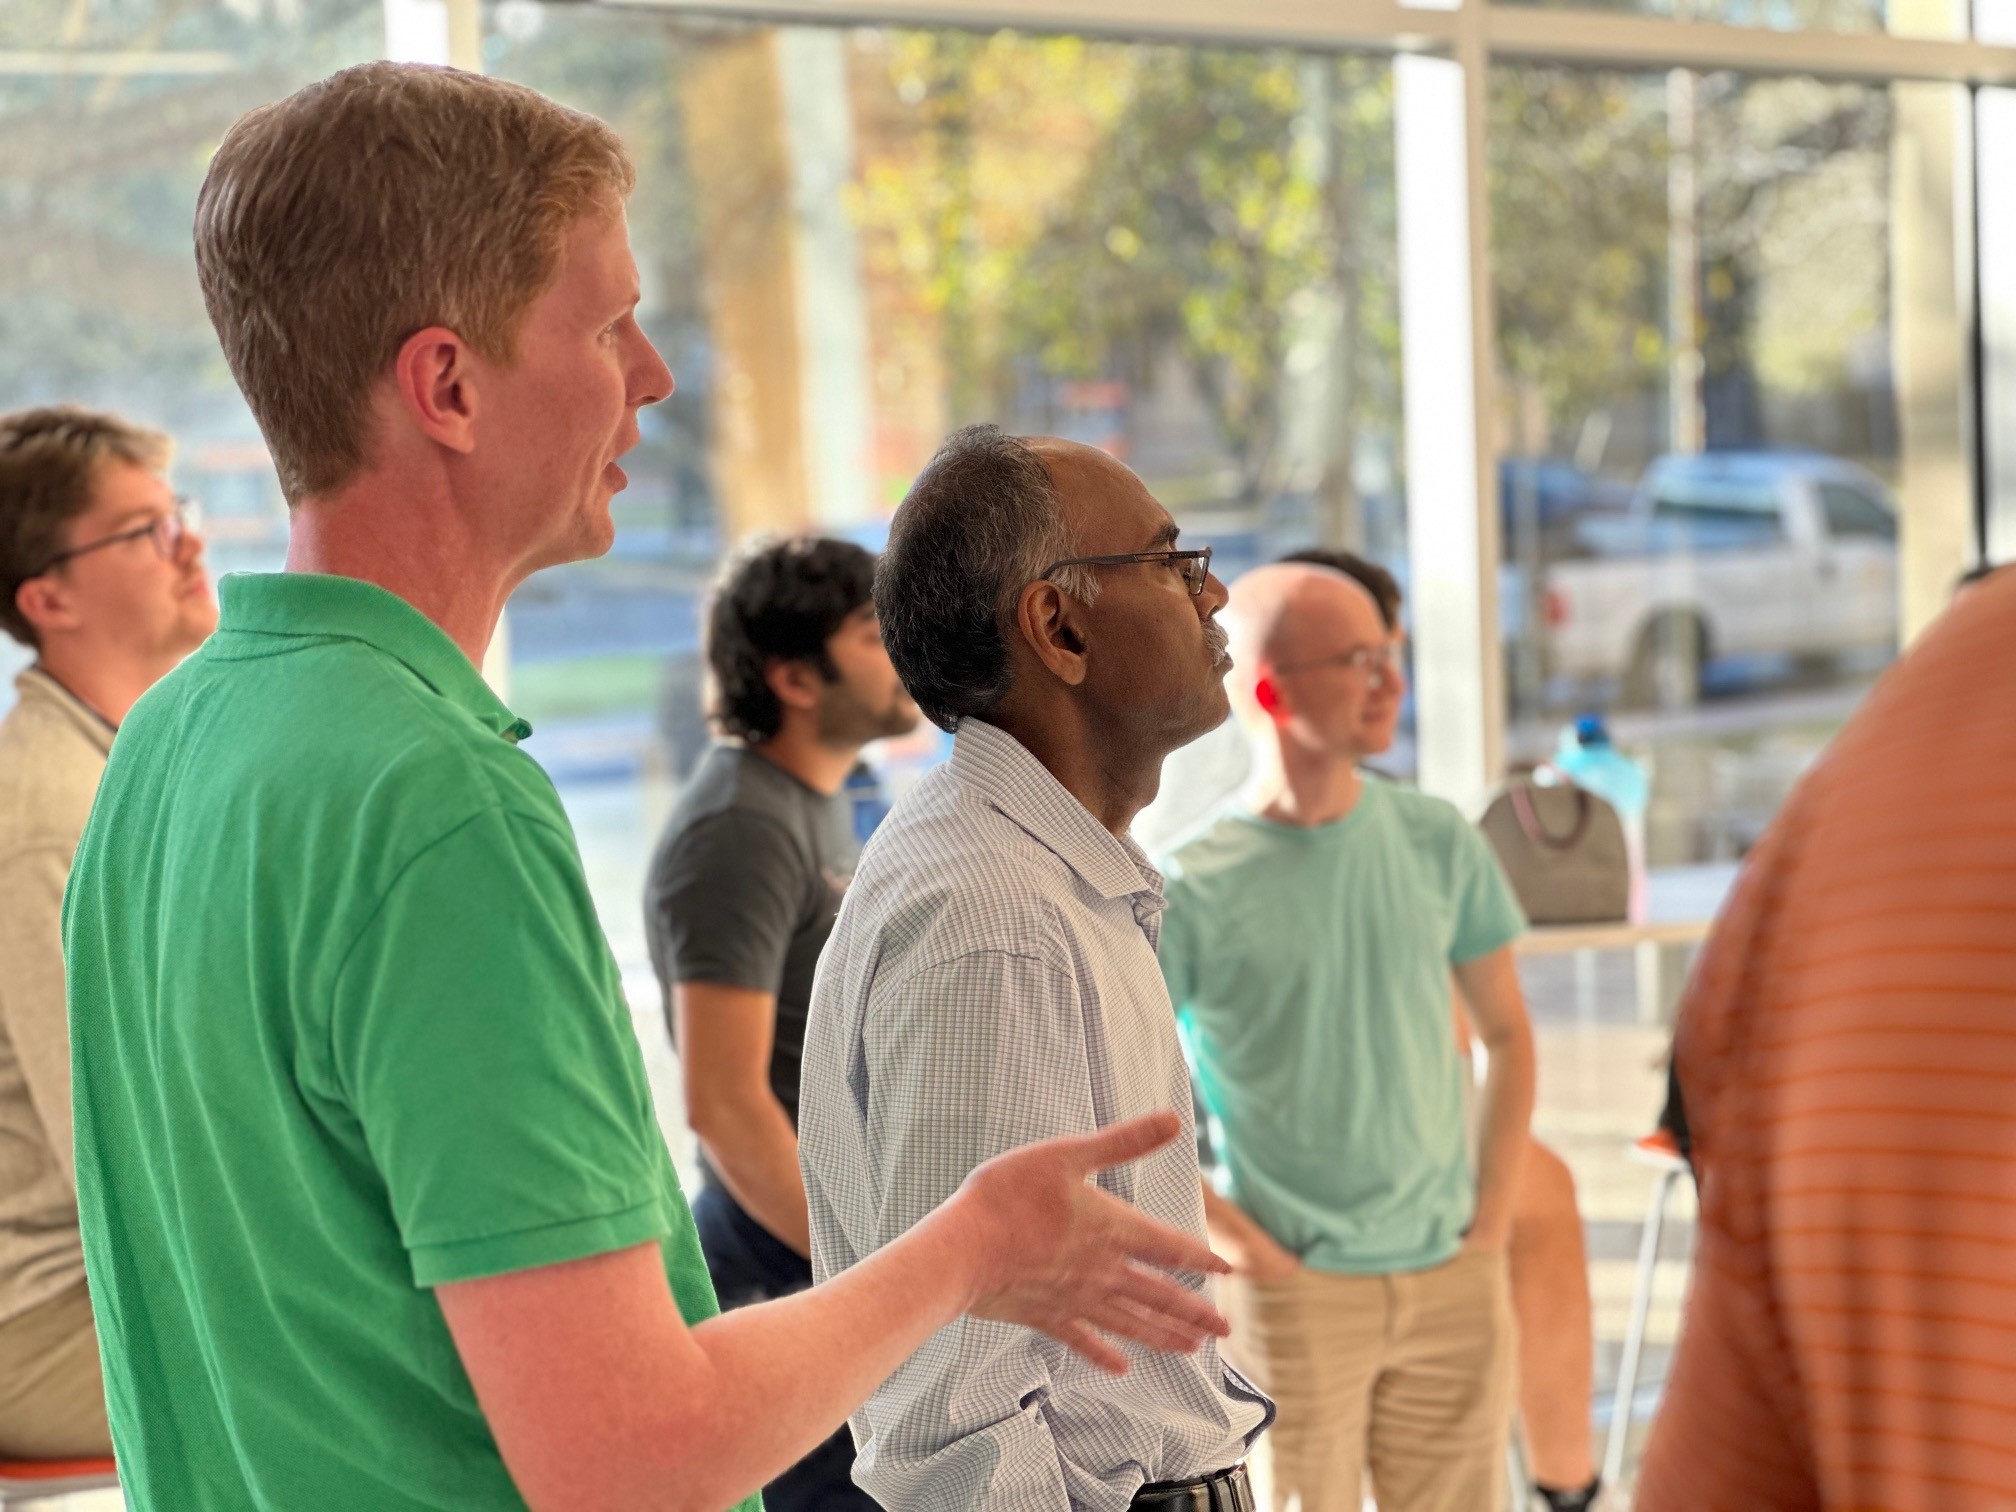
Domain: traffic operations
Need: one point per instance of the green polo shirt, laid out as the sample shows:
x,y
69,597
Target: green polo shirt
x,y
344,1027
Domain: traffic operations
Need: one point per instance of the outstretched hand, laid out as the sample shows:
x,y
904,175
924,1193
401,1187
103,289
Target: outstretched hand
x,y
1066,1258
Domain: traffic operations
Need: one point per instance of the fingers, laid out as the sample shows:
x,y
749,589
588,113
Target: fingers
x,y
1119,1143
1083,1339
1147,1327
1174,1303
1147,1242
1152,1311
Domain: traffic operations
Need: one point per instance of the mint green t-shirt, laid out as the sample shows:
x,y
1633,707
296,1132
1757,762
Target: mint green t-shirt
x,y
1310,971
344,1027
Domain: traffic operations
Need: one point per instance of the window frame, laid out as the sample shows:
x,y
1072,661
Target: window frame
x,y
1447,48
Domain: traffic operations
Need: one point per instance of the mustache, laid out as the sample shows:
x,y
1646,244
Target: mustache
x,y
1216,641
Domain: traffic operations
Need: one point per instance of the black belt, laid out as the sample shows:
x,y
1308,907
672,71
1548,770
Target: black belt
x,y
1227,1491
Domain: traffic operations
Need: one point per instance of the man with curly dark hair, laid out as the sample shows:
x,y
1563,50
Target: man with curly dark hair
x,y
742,894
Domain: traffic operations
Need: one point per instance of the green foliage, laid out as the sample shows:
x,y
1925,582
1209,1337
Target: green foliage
x,y
1578,231
1200,203
98,297
1788,220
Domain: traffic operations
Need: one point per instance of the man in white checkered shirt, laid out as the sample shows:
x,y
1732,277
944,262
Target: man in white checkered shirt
x,y
992,977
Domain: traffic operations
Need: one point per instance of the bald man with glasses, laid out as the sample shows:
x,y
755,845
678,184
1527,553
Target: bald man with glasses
x,y
1311,939
104,582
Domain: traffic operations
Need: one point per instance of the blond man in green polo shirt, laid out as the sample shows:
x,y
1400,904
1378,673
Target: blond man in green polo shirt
x,y
375,1210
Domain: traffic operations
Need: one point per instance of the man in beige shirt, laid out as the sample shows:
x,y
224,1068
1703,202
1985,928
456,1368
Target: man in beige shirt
x,y
102,577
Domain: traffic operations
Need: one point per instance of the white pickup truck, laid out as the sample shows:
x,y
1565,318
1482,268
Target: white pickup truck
x,y
1724,554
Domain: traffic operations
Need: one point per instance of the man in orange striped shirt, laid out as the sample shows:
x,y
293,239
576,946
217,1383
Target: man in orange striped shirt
x,y
1847,1051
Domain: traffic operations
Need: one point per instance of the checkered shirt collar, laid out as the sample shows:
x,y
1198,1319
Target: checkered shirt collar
x,y
1003,771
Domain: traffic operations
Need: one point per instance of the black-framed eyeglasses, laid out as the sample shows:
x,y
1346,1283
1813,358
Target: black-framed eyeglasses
x,y
1196,565
165,530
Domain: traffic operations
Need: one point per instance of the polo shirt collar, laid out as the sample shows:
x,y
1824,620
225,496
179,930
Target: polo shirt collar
x,y
314,604
1004,772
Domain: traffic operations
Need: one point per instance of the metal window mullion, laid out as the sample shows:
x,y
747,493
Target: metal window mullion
x,y
1333,25
1473,53
1601,39
1448,349
1588,37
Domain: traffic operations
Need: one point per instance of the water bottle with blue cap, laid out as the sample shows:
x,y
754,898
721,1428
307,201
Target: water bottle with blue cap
x,y
1587,758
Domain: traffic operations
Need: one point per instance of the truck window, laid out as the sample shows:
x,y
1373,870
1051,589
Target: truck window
x,y
1852,513
1710,514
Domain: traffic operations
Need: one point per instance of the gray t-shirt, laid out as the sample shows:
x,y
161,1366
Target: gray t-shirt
x,y
744,889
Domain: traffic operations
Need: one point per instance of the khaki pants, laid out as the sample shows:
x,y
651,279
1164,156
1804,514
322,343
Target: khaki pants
x,y
52,1398
1407,1376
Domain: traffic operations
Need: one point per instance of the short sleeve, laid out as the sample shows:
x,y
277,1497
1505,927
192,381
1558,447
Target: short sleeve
x,y
1488,916
726,896
479,1033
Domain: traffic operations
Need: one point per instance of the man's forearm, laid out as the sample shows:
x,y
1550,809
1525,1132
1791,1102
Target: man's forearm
x,y
752,1146
783,1375
599,1395
1507,1115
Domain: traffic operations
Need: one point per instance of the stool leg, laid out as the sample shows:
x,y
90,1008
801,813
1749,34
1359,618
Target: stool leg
x,y
1516,1473
1634,1332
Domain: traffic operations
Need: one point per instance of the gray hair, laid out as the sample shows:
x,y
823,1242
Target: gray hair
x,y
978,526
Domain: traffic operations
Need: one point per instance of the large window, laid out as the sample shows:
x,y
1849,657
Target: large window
x,y
1713,333
855,240
1710,289
108,114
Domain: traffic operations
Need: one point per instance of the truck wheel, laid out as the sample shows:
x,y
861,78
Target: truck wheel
x,y
1665,669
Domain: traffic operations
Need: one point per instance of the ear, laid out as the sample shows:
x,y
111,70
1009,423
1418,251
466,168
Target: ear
x,y
1052,623
797,684
436,381
46,604
1267,694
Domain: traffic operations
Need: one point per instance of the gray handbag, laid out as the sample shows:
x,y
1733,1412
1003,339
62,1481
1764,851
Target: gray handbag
x,y
1563,851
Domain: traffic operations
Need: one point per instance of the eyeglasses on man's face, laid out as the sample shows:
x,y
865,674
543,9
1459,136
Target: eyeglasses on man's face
x,y
165,530
1194,565
1381,661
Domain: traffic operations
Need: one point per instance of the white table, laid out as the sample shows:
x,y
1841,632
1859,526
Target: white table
x,y
1681,904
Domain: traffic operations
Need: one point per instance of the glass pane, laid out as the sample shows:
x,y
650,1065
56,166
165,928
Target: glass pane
x,y
1851,512
1710,293
108,114
855,240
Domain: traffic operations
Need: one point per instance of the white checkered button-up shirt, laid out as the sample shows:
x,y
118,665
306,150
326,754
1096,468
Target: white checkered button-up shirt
x,y
992,981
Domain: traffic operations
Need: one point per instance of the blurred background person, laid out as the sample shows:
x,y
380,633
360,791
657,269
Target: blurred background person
x,y
1309,946
1846,1050
102,579
742,895
1548,1252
